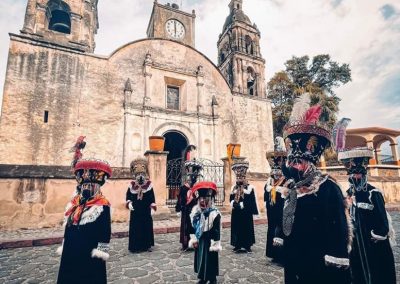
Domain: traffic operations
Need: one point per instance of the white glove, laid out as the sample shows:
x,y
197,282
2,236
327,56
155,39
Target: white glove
x,y
241,205
178,214
130,206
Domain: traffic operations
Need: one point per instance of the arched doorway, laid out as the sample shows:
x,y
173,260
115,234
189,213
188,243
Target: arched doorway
x,y
175,144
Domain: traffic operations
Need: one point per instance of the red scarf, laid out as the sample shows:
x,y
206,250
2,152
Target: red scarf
x,y
76,209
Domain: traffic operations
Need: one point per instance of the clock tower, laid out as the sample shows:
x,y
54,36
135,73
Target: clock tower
x,y
168,21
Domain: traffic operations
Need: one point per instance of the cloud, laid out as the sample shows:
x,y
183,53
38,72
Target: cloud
x,y
387,11
365,34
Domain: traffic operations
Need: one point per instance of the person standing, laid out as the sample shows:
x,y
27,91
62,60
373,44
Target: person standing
x,y
140,201
85,247
315,220
186,201
244,206
207,224
274,200
371,258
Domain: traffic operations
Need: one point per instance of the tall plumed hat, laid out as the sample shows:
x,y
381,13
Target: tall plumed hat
x,y
192,164
305,134
240,167
204,189
92,171
339,143
279,154
139,165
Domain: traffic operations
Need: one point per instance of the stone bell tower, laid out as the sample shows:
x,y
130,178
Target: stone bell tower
x,y
239,57
68,23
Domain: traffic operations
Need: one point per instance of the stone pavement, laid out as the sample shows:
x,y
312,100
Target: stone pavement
x,y
166,264
48,236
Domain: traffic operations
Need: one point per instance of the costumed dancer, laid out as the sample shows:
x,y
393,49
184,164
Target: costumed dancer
x,y
140,201
371,258
88,227
206,221
315,220
244,206
274,200
186,201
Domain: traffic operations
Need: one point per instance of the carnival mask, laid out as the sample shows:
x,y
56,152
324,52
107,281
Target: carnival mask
x,y
305,146
89,190
205,202
356,165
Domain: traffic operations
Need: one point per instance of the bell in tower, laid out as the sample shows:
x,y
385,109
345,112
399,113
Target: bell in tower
x,y
70,23
59,16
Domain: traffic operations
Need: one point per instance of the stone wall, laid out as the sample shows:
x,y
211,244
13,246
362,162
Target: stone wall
x,y
35,197
84,95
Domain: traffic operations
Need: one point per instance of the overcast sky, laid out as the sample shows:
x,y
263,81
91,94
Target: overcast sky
x,y
363,33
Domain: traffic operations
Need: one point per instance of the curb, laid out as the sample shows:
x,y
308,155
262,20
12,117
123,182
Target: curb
x,y
114,235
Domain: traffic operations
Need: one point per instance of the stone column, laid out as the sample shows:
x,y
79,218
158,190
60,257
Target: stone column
x,y
322,163
372,162
229,178
147,77
200,89
395,153
30,13
158,176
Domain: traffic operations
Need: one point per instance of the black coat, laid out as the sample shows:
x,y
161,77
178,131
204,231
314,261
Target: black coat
x,y
185,209
320,231
274,216
77,265
141,235
242,226
371,262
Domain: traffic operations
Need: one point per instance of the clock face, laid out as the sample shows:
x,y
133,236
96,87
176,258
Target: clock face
x,y
175,29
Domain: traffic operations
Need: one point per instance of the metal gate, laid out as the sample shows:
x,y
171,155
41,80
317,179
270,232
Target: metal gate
x,y
212,171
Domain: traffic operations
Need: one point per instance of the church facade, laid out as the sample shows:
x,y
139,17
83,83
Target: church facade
x,y
57,88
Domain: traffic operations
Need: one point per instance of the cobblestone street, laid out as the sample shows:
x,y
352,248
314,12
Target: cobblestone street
x,y
166,264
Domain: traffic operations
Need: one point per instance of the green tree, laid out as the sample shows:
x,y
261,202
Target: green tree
x,y
319,78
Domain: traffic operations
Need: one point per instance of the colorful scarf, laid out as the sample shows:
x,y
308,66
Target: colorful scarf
x,y
199,220
79,205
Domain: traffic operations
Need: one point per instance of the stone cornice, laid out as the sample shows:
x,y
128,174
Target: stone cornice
x,y
157,110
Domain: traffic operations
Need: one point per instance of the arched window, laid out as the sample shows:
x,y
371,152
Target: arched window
x,y
251,79
59,16
249,45
222,57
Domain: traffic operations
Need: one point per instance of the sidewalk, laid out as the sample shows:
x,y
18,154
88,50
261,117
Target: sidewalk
x,y
48,236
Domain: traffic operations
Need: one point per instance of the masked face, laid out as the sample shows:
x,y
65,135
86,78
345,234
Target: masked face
x,y
356,166
240,179
140,178
204,202
89,190
295,169
305,147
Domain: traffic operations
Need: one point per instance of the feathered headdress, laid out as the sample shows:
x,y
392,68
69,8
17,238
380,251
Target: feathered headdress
x,y
77,150
339,134
339,142
306,119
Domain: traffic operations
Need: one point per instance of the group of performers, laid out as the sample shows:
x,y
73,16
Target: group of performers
x,y
317,233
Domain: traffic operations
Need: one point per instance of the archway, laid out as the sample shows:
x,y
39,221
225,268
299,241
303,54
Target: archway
x,y
175,144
